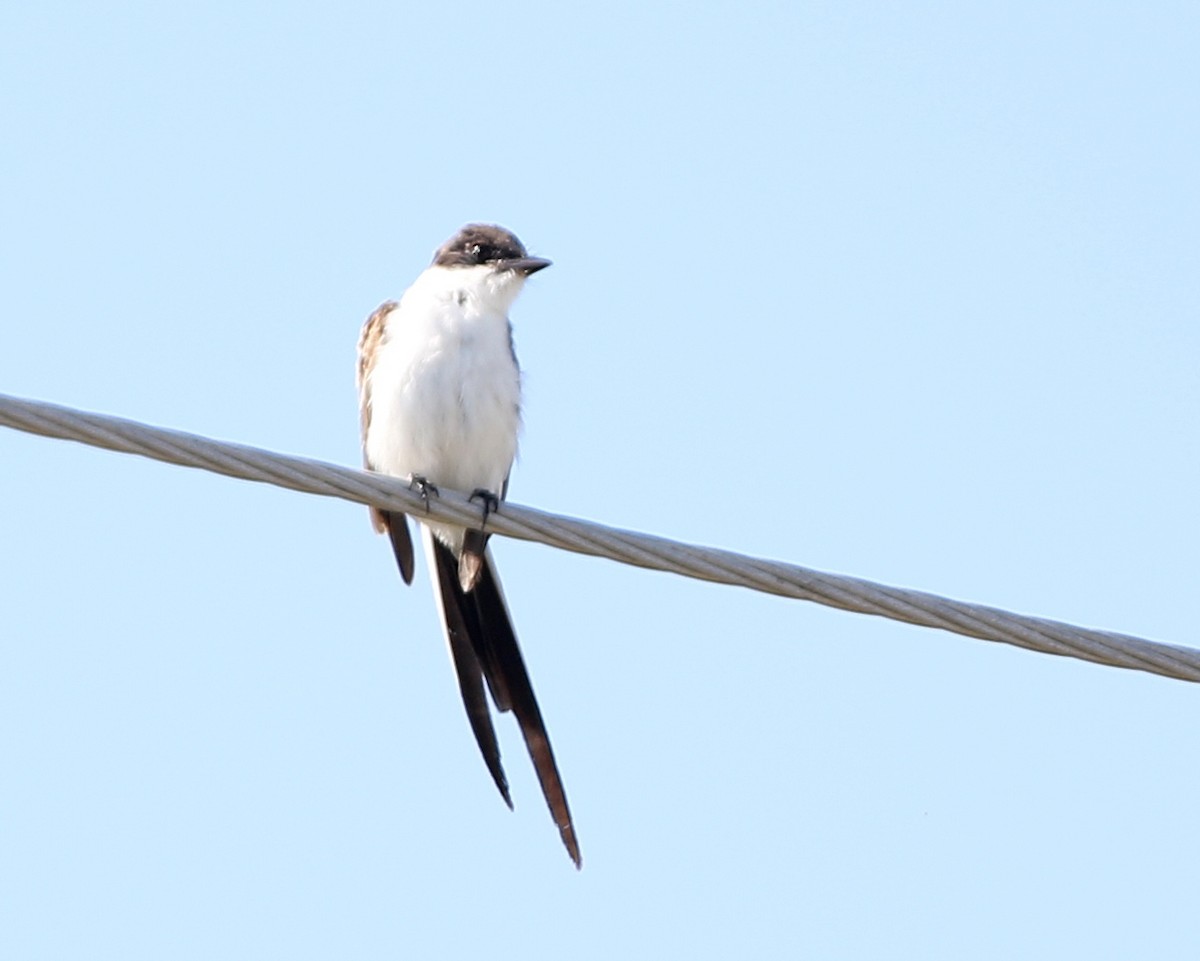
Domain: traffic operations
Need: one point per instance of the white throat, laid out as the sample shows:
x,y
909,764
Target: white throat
x,y
484,289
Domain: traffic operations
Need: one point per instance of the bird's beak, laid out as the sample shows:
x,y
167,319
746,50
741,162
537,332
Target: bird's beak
x,y
525,265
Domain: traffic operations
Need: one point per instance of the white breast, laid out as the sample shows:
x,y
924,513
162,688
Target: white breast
x,y
445,389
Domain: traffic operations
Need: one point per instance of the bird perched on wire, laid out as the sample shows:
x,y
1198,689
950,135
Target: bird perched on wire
x,y
440,399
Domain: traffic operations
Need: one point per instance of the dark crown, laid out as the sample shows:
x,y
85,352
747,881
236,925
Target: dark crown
x,y
478,244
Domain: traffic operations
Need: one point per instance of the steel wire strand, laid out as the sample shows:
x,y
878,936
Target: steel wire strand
x,y
641,550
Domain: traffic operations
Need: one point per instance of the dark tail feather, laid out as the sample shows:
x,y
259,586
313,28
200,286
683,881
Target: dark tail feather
x,y
397,528
484,616
493,613
466,665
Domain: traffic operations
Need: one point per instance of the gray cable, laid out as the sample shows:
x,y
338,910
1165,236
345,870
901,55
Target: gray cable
x,y
641,550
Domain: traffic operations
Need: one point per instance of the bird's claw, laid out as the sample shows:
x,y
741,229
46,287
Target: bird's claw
x,y
491,503
424,488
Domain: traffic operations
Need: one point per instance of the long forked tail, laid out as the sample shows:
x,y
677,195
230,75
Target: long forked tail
x,y
484,648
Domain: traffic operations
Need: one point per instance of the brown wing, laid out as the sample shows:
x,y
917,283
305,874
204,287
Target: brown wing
x,y
392,522
368,343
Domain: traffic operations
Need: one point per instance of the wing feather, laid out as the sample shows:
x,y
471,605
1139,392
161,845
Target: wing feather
x,y
392,522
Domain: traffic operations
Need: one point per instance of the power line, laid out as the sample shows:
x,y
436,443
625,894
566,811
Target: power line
x,y
584,537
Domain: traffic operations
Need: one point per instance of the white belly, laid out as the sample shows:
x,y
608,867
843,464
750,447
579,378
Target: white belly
x,y
445,398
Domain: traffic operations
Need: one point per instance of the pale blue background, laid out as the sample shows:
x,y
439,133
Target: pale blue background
x,y
904,291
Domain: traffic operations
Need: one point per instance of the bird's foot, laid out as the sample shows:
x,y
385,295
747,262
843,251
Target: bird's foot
x,y
491,503
424,488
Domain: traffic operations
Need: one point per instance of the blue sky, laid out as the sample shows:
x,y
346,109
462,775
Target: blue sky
x,y
906,291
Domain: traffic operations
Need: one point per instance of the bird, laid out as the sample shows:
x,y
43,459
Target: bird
x,y
440,405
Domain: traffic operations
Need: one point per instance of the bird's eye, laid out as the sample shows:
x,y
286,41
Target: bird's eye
x,y
477,253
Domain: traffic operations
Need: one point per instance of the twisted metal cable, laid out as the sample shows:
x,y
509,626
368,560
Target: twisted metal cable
x,y
583,537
